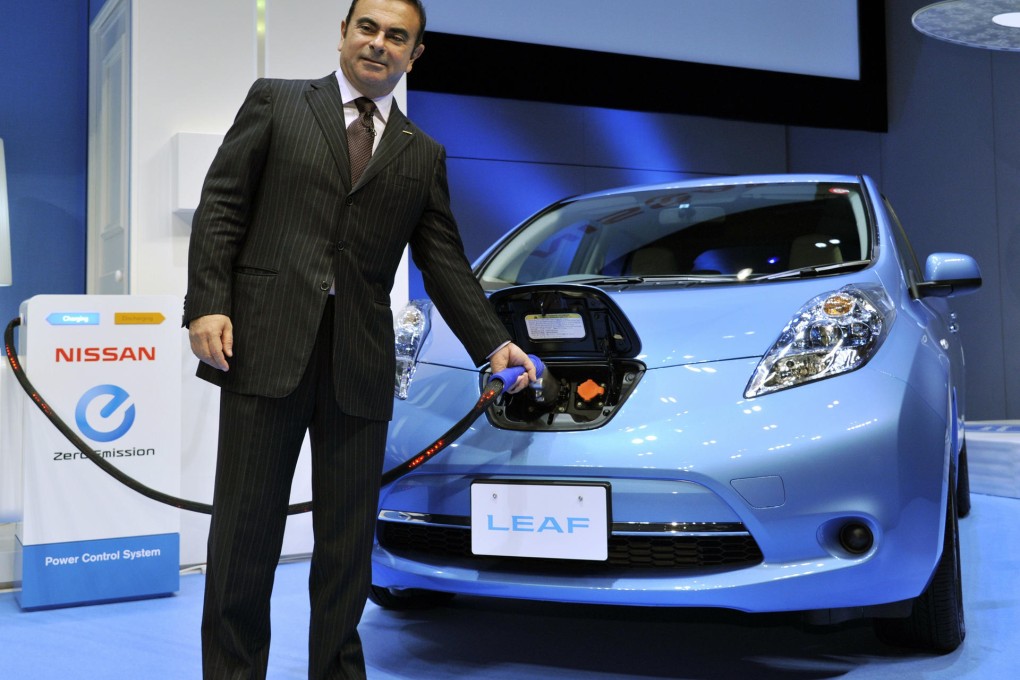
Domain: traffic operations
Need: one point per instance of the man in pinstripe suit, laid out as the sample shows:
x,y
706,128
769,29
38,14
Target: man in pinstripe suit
x,y
290,268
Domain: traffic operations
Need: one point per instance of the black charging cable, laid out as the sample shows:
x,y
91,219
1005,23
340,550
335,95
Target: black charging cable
x,y
497,384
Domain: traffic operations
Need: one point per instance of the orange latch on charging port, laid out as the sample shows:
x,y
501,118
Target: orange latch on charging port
x,y
590,389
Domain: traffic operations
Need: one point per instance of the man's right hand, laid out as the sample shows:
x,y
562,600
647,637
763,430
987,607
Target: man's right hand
x,y
212,340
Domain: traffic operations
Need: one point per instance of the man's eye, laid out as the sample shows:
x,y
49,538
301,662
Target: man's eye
x,y
398,38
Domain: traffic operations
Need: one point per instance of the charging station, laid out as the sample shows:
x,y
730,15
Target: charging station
x,y
108,366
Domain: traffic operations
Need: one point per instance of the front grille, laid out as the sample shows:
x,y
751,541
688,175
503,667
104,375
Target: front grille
x,y
669,552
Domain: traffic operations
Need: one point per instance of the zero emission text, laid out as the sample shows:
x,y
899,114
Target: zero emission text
x,y
105,453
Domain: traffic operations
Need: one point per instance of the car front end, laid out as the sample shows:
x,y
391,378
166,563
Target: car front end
x,y
744,433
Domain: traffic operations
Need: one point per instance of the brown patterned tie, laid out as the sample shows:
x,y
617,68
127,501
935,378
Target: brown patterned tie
x,y
360,135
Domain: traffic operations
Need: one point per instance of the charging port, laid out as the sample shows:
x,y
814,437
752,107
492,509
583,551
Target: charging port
x,y
581,396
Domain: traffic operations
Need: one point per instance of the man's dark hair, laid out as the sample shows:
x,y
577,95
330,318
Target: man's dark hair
x,y
418,7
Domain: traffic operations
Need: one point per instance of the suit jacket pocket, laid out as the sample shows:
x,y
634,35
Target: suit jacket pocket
x,y
254,271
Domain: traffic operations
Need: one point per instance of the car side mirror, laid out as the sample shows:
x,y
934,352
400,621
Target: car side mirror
x,y
949,274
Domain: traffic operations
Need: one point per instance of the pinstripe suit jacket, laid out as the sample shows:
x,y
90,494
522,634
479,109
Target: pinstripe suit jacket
x,y
278,221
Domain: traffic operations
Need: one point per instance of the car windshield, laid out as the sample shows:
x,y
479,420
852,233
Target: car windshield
x,y
719,234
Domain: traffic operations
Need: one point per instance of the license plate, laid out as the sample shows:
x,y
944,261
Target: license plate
x,y
563,520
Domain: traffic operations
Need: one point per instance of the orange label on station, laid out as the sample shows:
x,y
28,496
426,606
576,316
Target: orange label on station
x,y
138,318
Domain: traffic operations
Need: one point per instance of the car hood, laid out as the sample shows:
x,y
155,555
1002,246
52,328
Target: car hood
x,y
696,324
712,323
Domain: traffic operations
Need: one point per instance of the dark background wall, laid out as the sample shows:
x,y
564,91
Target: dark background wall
x,y
949,162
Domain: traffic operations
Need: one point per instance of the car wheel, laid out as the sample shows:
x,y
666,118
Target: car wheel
x,y
963,484
410,598
936,620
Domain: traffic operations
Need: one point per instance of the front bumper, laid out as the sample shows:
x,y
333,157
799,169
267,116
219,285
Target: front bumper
x,y
686,459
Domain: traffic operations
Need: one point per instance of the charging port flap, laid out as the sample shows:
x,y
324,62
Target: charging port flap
x,y
566,321
588,346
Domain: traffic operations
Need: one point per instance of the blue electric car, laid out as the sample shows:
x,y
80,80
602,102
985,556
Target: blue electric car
x,y
754,399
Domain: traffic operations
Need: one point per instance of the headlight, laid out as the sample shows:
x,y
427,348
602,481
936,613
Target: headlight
x,y
410,327
834,333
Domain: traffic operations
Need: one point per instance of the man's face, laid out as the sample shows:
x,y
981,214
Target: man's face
x,y
377,48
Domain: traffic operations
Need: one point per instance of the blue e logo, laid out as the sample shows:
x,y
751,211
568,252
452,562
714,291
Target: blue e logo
x,y
117,397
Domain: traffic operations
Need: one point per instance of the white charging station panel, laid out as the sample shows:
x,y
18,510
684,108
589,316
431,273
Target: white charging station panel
x,y
109,367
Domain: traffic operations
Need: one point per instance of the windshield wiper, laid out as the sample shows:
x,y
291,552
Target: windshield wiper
x,y
609,280
653,279
814,270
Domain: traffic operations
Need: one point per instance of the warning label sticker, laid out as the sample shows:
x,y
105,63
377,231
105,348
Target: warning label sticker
x,y
554,326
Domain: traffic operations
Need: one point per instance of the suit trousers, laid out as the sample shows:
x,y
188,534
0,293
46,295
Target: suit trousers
x,y
259,443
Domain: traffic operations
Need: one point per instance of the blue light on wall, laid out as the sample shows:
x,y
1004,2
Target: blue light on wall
x,y
632,140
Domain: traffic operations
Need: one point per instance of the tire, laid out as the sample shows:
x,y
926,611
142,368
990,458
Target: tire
x,y
936,622
411,598
963,484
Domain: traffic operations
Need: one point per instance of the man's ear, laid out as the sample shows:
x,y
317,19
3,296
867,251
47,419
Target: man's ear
x,y
414,56
343,33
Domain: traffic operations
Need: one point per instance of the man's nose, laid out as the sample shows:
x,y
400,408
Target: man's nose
x,y
378,41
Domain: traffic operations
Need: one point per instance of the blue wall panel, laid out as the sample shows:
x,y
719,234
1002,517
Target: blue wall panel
x,y
43,122
503,129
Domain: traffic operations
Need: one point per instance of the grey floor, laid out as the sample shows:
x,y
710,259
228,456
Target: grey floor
x,y
474,638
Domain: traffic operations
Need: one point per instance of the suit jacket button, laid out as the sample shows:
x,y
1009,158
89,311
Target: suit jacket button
x,y
350,201
340,245
324,285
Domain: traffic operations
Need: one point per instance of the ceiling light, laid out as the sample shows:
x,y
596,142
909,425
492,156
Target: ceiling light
x,y
1010,19
987,24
